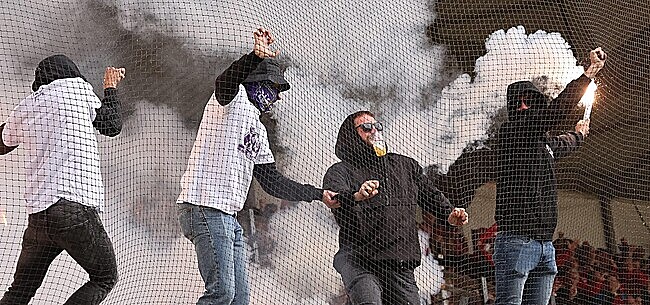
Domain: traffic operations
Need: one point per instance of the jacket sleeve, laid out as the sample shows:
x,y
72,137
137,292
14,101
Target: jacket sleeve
x,y
108,120
430,198
565,144
279,186
562,105
337,180
226,86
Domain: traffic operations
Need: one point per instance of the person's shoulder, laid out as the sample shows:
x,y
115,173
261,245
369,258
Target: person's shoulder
x,y
338,167
401,158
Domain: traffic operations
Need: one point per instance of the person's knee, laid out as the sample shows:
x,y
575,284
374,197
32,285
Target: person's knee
x,y
224,295
365,293
107,281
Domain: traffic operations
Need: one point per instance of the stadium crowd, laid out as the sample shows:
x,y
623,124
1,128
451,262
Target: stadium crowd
x,y
586,274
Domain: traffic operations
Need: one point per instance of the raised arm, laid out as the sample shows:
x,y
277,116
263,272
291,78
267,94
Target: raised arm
x,y
226,86
109,116
561,106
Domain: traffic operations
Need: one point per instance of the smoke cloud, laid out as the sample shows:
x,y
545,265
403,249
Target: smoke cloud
x,y
340,57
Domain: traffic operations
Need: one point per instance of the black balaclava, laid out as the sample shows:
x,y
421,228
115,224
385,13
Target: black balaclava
x,y
53,68
349,145
535,100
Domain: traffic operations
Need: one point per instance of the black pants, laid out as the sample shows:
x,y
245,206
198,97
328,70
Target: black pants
x,y
375,282
76,229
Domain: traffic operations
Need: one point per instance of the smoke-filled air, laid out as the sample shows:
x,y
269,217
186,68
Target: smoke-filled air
x,y
340,57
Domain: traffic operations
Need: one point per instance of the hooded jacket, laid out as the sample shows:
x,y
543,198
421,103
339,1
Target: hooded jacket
x,y
108,120
383,227
526,202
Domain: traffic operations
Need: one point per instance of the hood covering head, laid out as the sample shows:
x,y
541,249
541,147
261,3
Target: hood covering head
x,y
349,145
53,68
534,98
268,70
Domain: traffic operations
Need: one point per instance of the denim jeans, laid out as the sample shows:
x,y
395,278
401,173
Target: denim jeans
x,y
72,227
376,282
221,253
524,270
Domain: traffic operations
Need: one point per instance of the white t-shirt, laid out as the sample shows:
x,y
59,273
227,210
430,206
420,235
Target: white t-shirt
x,y
230,141
55,125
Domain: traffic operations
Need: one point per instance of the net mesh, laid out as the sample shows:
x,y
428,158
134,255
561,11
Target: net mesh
x,y
435,73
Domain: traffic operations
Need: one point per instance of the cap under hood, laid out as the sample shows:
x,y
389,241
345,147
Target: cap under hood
x,y
268,69
53,68
350,147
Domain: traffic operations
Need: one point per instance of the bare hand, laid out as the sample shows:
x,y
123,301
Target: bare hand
x,y
597,57
113,76
367,190
264,38
583,127
458,217
328,199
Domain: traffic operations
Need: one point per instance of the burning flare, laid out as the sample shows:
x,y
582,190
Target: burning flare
x,y
588,99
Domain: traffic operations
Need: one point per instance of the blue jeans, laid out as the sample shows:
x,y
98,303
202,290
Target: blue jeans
x,y
524,270
78,230
221,253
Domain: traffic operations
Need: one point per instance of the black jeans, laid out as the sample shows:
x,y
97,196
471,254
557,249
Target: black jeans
x,y
376,282
76,229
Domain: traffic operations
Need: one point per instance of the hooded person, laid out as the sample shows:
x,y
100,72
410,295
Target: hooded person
x,y
231,148
65,192
526,199
379,196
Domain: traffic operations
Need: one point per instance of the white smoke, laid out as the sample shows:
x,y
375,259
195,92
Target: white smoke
x,y
344,56
438,133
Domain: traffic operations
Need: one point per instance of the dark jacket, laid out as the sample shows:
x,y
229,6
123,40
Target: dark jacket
x,y
226,89
108,120
526,202
383,227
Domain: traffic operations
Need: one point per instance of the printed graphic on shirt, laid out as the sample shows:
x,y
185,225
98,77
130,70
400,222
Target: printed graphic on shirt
x,y
252,144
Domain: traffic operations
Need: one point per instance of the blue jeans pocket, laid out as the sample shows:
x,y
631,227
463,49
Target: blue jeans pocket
x,y
185,215
516,254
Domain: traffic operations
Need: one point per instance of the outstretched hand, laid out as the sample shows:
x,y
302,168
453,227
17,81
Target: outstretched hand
x,y
328,199
113,76
458,217
367,190
264,38
583,127
597,57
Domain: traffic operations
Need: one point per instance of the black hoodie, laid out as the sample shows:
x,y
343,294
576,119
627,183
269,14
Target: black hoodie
x,y
526,202
108,120
383,227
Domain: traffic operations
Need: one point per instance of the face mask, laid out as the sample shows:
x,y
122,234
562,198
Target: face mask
x,y
262,94
535,104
